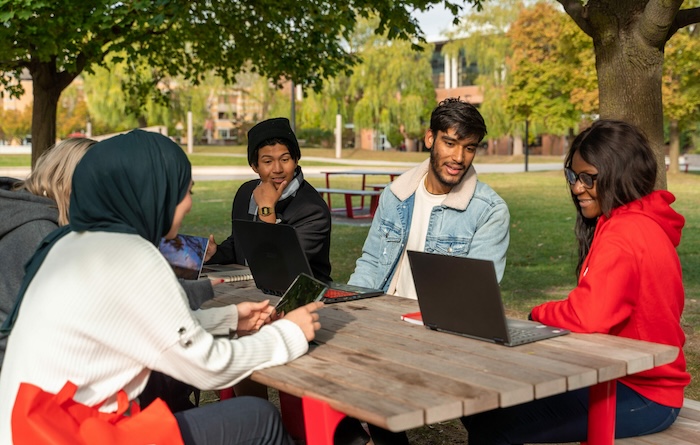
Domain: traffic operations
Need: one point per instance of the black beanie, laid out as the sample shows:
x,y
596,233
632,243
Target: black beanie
x,y
276,128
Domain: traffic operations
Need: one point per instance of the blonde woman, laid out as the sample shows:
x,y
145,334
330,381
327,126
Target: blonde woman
x,y
30,210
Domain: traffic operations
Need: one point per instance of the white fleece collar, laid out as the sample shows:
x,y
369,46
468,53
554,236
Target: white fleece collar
x,y
458,198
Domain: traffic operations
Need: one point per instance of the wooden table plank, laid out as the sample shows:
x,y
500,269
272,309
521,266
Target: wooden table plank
x,y
637,361
473,398
437,407
575,376
511,391
431,344
662,354
364,405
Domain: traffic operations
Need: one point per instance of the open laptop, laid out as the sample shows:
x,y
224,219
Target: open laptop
x,y
185,253
275,258
462,296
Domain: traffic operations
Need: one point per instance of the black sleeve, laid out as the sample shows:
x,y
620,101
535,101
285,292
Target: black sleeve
x,y
226,252
198,292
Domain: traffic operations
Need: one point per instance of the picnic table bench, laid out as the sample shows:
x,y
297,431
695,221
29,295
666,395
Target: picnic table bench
x,y
348,194
682,163
372,191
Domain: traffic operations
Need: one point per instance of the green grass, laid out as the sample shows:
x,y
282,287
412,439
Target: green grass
x,y
15,160
542,253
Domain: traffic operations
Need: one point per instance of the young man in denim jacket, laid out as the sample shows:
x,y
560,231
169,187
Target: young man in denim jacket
x,y
439,206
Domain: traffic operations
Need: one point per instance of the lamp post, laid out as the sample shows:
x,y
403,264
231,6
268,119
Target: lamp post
x,y
527,144
292,119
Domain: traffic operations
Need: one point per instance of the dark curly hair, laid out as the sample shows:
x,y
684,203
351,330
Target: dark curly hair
x,y
626,171
461,116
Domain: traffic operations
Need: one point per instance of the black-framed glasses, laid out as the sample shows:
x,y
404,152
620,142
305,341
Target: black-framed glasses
x,y
586,178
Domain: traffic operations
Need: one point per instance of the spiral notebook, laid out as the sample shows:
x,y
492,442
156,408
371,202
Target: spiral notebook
x,y
230,273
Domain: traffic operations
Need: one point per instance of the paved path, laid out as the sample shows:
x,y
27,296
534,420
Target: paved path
x,y
224,173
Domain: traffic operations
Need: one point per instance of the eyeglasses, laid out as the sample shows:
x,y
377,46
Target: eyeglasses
x,y
585,178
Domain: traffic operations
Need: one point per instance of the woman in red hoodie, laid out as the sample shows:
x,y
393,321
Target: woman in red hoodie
x,y
629,284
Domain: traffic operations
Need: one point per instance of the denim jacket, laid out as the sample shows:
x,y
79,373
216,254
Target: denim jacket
x,y
473,221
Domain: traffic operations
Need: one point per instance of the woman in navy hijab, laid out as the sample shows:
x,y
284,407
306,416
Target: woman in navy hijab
x,y
101,307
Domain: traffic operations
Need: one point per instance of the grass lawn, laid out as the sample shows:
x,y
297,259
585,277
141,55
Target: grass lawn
x,y
542,253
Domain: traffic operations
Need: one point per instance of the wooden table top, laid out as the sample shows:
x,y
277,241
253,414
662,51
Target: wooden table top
x,y
371,365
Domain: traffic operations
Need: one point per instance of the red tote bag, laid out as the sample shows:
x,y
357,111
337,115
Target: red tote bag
x,y
39,417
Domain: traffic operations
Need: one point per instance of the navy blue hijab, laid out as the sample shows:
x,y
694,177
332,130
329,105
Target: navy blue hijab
x,y
129,183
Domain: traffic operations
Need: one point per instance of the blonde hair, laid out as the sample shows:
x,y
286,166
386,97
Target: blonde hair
x,y
53,173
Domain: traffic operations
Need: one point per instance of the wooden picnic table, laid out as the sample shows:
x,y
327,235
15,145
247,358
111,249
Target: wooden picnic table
x,y
371,191
369,364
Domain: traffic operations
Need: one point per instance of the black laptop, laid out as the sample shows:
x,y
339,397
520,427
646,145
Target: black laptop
x,y
275,258
462,296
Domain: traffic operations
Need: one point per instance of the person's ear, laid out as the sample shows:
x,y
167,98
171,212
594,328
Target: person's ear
x,y
255,168
429,139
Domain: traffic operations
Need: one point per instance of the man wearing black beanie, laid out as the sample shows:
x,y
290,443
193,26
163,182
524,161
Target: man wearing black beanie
x,y
280,195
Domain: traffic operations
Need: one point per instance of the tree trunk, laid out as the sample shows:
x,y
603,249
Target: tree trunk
x,y
674,150
43,119
629,81
48,85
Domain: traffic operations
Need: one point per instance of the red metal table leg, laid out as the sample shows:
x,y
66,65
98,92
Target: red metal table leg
x,y
320,421
362,198
328,195
374,203
601,413
348,206
292,415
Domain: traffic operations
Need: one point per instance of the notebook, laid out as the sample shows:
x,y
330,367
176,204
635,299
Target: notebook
x,y
230,273
185,253
275,257
462,296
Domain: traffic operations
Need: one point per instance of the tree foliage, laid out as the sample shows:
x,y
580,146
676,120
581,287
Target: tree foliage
x,y
629,37
56,40
681,88
486,42
681,78
392,85
549,62
15,124
72,111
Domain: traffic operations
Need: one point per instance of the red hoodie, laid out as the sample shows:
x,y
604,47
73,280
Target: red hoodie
x,y
631,286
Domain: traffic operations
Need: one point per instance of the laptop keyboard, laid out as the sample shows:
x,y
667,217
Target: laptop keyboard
x,y
521,335
337,293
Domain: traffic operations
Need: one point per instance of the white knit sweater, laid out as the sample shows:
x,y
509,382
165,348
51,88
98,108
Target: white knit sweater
x,y
105,309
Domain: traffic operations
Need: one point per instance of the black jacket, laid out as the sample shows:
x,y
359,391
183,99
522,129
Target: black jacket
x,y
306,211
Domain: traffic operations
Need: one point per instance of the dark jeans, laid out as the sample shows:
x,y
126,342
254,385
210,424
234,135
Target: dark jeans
x,y
564,418
174,393
240,421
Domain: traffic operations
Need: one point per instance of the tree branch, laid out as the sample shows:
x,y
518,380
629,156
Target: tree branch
x,y
685,17
657,20
578,13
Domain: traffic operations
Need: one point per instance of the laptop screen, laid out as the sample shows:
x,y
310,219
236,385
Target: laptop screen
x,y
273,253
185,254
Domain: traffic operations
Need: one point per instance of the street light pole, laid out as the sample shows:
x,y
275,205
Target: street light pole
x,y
527,144
292,119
